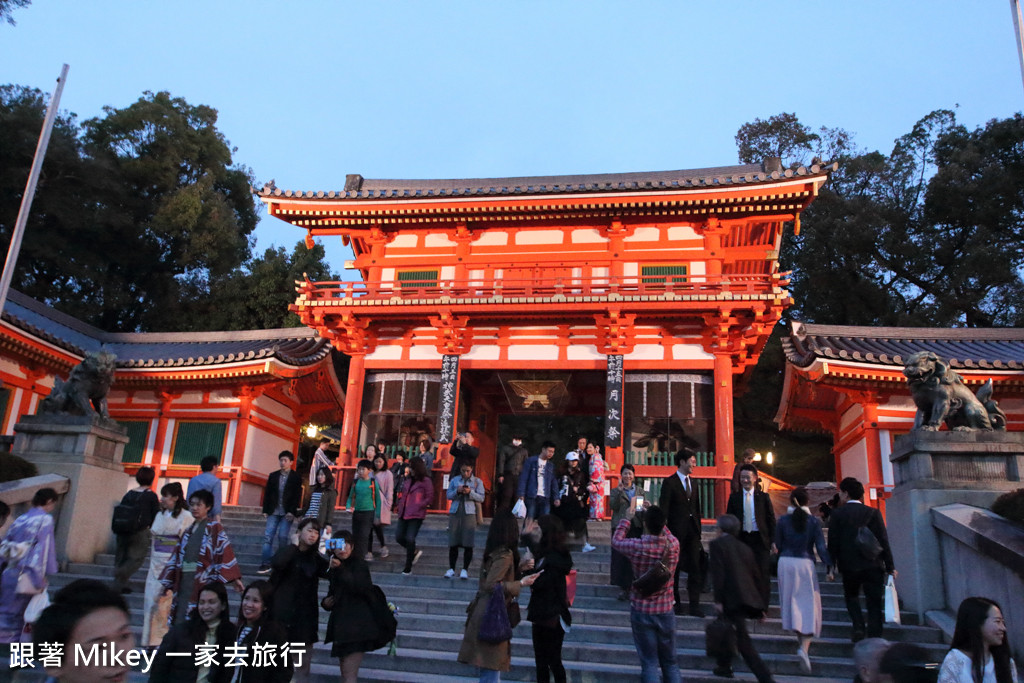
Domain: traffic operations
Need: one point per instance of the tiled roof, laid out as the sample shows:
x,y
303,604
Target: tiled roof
x,y
357,187
966,348
294,346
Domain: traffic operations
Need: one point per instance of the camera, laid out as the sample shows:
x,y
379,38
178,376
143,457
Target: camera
x,y
333,544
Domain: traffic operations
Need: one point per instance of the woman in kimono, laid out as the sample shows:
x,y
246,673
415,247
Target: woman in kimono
x,y
202,556
30,555
167,530
598,467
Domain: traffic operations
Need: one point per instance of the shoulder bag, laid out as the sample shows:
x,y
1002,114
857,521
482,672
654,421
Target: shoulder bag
x,y
655,578
495,626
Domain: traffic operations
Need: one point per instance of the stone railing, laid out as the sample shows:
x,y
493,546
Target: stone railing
x,y
982,554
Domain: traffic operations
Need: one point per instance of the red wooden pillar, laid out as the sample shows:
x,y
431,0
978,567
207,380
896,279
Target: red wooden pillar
x,y
724,449
353,410
874,455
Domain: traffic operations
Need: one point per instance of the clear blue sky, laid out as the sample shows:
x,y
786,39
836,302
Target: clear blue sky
x,y
310,91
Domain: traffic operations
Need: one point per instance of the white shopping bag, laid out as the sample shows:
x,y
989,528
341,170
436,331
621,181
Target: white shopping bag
x,y
519,509
892,605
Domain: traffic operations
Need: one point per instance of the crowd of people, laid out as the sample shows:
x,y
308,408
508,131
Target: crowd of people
x,y
192,564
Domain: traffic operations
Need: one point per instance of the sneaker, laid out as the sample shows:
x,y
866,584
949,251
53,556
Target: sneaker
x,y
463,574
449,574
264,569
587,548
369,557
407,572
416,557
384,552
805,661
723,671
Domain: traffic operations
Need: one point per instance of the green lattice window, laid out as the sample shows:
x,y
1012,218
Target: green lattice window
x,y
651,275
138,433
414,279
195,440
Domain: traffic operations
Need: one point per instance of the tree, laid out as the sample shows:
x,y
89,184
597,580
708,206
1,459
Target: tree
x,y
931,234
133,211
187,211
254,296
8,6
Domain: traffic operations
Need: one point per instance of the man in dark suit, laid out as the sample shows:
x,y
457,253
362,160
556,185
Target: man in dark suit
x,y
281,500
858,570
681,504
737,586
757,523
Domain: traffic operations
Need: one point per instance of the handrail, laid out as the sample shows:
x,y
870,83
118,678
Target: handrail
x,y
554,288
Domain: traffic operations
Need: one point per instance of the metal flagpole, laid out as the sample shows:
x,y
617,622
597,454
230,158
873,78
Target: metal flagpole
x,y
30,189
1018,30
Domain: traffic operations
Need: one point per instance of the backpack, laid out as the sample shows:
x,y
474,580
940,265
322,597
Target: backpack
x,y
129,514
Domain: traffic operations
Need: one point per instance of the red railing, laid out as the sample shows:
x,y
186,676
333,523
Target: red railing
x,y
546,288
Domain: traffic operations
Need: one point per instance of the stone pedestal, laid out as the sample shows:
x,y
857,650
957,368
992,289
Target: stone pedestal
x,y
88,453
940,468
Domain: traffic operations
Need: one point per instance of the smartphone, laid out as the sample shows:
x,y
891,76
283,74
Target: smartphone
x,y
639,503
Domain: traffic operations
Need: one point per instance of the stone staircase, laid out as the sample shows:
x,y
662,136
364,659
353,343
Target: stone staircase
x,y
598,648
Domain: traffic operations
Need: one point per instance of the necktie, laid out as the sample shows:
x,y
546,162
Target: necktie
x,y
748,514
686,485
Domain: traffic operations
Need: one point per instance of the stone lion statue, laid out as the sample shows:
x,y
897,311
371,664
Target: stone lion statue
x,y
85,391
941,396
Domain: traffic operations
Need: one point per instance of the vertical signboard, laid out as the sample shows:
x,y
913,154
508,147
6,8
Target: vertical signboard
x,y
613,404
448,398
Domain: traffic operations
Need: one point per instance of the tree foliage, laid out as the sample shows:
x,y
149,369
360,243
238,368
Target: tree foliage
x,y
141,219
929,234
8,6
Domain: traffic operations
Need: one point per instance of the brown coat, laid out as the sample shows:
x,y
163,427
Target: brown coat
x,y
493,656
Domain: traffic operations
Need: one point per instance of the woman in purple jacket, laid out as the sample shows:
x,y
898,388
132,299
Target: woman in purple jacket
x,y
417,492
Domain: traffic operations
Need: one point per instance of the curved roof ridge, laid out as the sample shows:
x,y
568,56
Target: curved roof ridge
x,y
936,333
357,187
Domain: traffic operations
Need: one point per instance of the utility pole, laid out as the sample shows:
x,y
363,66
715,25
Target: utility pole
x,y
1018,31
30,188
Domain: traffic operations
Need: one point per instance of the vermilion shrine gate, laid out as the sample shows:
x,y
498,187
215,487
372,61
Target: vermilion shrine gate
x,y
532,289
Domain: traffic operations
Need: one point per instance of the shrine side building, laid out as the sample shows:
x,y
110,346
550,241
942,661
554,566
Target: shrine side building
x,y
848,382
629,303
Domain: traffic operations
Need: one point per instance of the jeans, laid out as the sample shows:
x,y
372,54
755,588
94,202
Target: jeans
x,y
537,507
279,525
489,676
873,582
405,535
655,638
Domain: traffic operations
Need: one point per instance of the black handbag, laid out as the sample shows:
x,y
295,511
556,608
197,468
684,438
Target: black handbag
x,y
867,544
655,578
720,639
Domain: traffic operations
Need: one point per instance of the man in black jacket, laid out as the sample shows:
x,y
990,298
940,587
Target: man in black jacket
x,y
737,586
757,523
510,464
680,502
281,500
857,568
